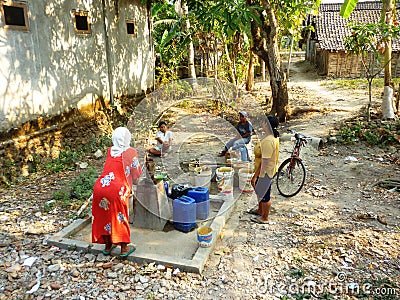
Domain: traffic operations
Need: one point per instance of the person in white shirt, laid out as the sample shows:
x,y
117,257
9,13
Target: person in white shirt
x,y
164,139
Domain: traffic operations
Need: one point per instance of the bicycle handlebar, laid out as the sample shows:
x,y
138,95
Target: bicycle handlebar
x,y
298,135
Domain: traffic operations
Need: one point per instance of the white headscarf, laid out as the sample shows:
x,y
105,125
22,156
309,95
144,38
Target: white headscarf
x,y
121,139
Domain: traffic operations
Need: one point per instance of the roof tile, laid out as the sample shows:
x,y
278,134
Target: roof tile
x,y
331,28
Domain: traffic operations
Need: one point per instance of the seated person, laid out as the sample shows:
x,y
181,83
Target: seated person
x,y
245,130
164,139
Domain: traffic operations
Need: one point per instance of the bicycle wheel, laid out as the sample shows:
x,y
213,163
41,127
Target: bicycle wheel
x,y
290,177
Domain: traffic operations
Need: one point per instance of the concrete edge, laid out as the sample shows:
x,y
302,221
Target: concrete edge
x,y
202,254
195,265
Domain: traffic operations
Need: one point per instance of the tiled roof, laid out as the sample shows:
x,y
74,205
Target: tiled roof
x,y
330,27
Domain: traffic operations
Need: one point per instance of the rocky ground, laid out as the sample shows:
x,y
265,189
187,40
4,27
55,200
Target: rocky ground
x,y
338,239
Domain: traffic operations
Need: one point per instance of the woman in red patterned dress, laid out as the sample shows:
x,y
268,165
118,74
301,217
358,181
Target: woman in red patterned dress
x,y
111,193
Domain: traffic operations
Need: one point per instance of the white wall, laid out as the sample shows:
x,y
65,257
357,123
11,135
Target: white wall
x,y
50,68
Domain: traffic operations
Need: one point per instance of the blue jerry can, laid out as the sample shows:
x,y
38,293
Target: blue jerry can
x,y
184,213
201,196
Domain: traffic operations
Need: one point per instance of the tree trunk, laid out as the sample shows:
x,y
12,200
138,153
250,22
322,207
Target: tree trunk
x,y
387,99
280,97
263,71
216,62
398,101
271,56
231,70
191,67
369,99
250,73
290,58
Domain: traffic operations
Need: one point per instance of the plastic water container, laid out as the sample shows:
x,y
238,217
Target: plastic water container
x,y
243,153
202,176
245,176
201,196
204,236
224,176
180,189
184,213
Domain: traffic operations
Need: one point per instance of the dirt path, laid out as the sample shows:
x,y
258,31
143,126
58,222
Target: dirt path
x,y
334,106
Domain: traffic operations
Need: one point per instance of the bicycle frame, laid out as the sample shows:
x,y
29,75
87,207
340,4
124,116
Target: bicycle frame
x,y
292,173
300,141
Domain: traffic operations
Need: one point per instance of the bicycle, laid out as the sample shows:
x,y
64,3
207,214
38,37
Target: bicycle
x,y
292,173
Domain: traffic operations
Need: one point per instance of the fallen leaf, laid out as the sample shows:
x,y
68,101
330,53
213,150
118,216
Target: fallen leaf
x,y
107,265
55,286
382,220
14,269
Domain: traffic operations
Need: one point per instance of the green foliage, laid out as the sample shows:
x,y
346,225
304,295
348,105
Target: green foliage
x,y
83,184
347,8
8,171
358,84
226,17
171,40
65,161
327,296
73,194
34,163
185,104
371,137
48,206
165,75
301,296
291,15
376,134
62,198
102,142
296,272
350,134
368,42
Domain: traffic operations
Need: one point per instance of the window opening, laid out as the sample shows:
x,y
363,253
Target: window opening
x,y
15,15
82,25
131,27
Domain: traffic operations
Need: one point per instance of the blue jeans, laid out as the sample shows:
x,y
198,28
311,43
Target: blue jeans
x,y
239,144
236,143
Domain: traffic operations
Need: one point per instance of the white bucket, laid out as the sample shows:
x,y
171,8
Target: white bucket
x,y
202,177
237,166
245,176
224,176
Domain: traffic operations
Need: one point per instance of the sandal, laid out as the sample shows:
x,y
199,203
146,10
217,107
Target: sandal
x,y
131,250
105,252
253,211
222,153
258,221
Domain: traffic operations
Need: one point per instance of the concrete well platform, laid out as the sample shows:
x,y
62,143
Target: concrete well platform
x,y
169,247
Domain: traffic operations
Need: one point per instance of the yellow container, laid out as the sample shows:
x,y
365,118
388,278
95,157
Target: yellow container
x,y
204,236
